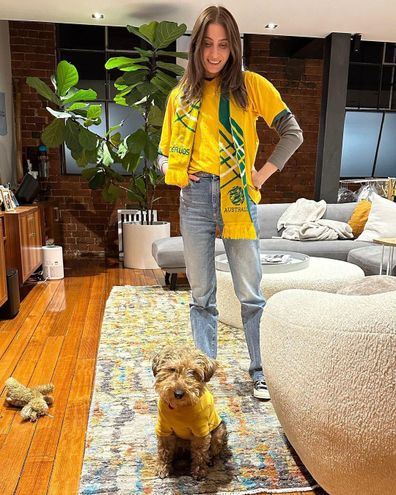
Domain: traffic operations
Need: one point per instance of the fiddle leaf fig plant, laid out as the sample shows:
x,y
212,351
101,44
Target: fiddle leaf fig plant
x,y
144,85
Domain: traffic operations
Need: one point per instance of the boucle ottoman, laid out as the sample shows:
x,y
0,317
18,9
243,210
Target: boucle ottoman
x,y
330,365
323,274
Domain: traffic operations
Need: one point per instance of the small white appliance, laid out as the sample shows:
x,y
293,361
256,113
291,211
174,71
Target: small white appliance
x,y
53,262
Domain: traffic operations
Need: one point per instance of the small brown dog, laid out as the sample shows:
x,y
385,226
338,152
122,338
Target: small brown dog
x,y
187,418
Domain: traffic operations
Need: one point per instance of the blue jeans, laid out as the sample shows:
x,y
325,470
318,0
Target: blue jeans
x,y
199,215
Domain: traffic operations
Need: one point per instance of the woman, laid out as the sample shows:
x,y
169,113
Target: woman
x,y
208,148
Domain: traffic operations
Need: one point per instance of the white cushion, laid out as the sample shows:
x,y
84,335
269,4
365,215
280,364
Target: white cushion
x,y
381,221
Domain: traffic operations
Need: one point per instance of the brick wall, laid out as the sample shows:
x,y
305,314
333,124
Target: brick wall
x,y
87,223
299,81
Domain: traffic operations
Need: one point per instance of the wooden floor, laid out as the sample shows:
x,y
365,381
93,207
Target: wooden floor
x,y
54,338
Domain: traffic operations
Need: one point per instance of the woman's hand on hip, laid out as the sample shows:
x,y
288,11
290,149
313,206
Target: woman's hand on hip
x,y
193,177
257,183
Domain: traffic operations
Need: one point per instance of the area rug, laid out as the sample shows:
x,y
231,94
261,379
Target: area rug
x,y
121,446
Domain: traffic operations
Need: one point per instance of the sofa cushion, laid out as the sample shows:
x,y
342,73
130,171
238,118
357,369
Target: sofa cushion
x,y
381,221
374,284
359,217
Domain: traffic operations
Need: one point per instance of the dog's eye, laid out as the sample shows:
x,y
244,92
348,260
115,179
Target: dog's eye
x,y
171,370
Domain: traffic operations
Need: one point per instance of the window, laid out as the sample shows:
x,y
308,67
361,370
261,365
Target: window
x,y
88,48
369,147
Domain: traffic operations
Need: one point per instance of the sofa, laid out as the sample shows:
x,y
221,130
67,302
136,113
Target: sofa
x,y
169,253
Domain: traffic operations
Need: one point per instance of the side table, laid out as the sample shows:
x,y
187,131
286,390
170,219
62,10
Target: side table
x,y
391,242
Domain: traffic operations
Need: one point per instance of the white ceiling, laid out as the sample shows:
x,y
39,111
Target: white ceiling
x,y
375,20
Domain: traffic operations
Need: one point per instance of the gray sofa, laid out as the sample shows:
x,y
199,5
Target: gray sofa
x,y
169,252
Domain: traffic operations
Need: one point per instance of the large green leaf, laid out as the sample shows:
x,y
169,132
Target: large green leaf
x,y
150,150
58,115
173,54
176,69
136,141
88,173
136,30
66,77
115,139
131,78
149,31
107,158
97,180
170,80
81,95
42,89
144,53
131,161
117,62
54,134
111,193
155,116
77,106
161,85
94,111
87,139
133,68
132,98
71,136
167,32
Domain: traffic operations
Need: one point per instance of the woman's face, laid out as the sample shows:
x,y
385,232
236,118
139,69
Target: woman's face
x,y
216,50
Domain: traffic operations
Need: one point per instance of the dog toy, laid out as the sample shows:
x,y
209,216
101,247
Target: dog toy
x,y
34,401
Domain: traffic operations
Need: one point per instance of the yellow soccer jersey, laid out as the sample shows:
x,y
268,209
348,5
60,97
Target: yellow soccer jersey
x,y
263,100
190,421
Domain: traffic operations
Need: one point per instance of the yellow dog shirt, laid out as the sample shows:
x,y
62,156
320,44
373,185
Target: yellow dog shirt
x,y
190,421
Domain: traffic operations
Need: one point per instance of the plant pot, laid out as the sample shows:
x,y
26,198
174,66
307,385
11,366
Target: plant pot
x,y
137,243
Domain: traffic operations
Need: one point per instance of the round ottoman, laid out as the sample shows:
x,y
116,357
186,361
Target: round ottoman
x,y
323,274
330,365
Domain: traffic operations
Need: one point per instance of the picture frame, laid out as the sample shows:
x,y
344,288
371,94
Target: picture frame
x,y
8,202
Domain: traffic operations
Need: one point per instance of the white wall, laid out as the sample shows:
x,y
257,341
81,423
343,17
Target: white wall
x,y
7,142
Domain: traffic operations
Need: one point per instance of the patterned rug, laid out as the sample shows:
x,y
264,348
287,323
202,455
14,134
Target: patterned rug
x,y
121,446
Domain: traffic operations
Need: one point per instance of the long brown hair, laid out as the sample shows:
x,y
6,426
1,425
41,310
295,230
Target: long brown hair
x,y
231,75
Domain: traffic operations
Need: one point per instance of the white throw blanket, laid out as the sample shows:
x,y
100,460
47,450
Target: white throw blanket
x,y
302,222
300,212
325,230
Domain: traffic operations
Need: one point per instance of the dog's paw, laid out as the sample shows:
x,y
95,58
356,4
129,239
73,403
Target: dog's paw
x,y
163,471
199,472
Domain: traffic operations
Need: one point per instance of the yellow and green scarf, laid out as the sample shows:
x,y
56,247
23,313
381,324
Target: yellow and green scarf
x,y
234,201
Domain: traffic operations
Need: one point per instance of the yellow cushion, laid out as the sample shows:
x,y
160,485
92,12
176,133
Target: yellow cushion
x,y
359,217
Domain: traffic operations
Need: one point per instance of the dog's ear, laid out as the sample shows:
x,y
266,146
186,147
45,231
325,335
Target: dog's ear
x,y
161,357
155,363
209,367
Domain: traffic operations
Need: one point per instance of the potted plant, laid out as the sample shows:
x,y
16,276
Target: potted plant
x,y
144,86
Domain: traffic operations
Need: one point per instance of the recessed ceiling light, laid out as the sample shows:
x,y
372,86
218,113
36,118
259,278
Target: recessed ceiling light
x,y
97,15
271,25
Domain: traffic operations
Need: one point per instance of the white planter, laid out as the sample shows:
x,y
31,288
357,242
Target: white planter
x,y
138,240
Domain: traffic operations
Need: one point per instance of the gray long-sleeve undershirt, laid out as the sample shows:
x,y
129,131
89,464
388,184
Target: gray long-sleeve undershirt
x,y
291,137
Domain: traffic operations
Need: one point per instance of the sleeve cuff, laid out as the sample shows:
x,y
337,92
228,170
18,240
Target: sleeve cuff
x,y
176,178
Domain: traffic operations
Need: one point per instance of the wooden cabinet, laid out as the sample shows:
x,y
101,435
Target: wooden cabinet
x,y
3,278
23,240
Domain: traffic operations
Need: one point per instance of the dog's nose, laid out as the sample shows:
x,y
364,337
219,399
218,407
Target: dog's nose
x,y
178,394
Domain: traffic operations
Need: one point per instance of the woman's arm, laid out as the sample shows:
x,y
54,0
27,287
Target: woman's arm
x,y
291,138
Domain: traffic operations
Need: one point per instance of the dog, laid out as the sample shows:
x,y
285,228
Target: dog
x,y
187,418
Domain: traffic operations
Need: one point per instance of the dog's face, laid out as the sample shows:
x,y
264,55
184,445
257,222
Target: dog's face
x,y
181,374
